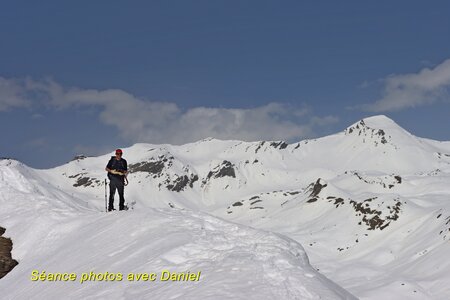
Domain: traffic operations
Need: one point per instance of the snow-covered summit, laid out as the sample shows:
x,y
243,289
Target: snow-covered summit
x,y
381,130
379,122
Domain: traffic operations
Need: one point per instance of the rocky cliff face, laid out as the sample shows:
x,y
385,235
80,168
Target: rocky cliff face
x,y
7,263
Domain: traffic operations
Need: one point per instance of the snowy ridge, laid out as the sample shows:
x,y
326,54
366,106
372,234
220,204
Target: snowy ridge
x,y
369,205
235,261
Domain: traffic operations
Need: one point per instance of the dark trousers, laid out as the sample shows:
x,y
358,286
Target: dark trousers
x,y
116,183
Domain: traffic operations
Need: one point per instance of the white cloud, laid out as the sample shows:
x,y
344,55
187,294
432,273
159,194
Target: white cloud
x,y
415,89
271,121
140,120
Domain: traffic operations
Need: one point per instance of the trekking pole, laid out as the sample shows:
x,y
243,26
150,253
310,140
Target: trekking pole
x,y
106,207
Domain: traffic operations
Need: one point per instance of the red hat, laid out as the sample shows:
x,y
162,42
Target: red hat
x,y
119,151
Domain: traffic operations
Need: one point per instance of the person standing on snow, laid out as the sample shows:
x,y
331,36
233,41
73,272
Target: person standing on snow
x,y
117,171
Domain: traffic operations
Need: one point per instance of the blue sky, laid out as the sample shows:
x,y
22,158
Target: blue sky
x,y
90,76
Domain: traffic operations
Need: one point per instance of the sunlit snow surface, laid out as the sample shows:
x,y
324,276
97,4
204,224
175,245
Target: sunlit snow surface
x,y
235,261
370,205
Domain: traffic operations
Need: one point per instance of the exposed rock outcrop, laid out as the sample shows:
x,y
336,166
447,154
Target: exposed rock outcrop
x,y
7,263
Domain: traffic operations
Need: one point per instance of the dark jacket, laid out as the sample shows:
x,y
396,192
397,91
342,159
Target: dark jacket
x,y
118,165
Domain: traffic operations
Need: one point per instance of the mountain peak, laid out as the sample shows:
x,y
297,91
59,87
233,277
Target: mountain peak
x,y
379,130
379,122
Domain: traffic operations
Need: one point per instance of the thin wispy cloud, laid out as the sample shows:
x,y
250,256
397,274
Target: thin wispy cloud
x,y
141,120
404,91
89,150
39,142
13,94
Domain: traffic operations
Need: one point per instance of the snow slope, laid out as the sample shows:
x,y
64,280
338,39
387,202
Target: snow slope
x,y
54,231
370,204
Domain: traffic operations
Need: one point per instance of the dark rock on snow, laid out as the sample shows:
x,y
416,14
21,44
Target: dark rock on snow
x,y
7,263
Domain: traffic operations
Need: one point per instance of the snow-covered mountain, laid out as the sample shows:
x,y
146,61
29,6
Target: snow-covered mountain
x,y
370,206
